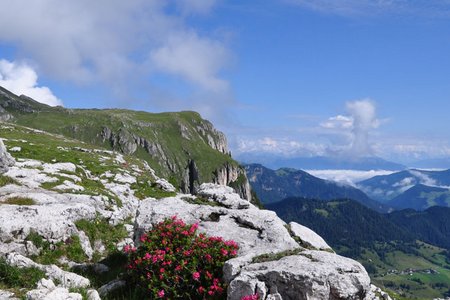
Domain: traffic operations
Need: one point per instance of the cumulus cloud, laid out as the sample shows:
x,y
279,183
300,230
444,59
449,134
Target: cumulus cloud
x,y
20,79
363,113
357,123
193,58
125,45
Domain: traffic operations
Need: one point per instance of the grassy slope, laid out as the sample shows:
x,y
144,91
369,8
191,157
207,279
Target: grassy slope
x,y
419,284
86,125
164,129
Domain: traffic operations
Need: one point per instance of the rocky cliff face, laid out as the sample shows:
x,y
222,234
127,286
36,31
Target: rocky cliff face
x,y
180,146
51,201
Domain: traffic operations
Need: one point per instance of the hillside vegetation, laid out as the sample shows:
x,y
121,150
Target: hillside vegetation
x,y
181,146
388,246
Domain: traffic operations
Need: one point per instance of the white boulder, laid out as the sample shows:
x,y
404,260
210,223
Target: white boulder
x,y
309,237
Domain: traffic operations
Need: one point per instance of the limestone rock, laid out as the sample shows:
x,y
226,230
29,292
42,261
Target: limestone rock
x,y
377,294
308,236
58,293
165,185
6,160
312,275
67,279
222,194
93,295
85,244
6,295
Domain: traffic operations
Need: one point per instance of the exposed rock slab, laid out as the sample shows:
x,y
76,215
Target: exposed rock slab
x,y
313,275
309,237
67,279
6,160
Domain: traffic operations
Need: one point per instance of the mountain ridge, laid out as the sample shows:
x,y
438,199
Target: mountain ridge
x,y
275,185
180,146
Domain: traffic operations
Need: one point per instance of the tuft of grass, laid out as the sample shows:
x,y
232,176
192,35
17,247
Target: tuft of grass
x,y
19,201
100,229
36,239
50,254
200,201
143,188
18,278
82,291
74,250
5,180
275,256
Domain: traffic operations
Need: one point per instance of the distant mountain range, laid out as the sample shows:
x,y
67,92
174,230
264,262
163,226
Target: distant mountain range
x,y
272,186
397,249
417,189
321,162
335,219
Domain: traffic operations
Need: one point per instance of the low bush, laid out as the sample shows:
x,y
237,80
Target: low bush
x,y
175,262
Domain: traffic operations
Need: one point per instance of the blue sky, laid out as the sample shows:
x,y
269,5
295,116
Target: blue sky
x,y
284,77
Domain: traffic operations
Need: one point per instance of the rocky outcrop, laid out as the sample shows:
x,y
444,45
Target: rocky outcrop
x,y
275,260
190,180
6,159
67,279
128,143
307,237
286,270
234,176
215,139
309,275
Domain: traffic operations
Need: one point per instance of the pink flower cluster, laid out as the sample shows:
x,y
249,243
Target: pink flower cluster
x,y
175,262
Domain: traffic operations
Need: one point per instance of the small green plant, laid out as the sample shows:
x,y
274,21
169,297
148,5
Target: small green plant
x,y
14,277
145,189
49,254
275,256
100,229
5,180
19,201
200,201
175,262
36,239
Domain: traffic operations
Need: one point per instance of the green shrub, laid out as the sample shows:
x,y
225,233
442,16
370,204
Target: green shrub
x,y
175,262
100,229
14,277
5,180
49,254
19,201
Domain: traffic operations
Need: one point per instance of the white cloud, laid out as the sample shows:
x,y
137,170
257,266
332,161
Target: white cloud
x,y
197,60
359,121
405,182
338,122
423,178
349,177
124,45
20,79
363,113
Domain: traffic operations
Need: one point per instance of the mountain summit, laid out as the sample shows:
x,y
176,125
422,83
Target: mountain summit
x,y
180,146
